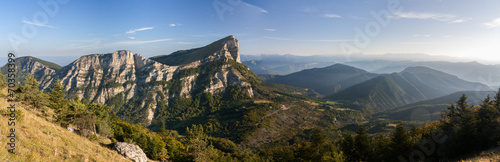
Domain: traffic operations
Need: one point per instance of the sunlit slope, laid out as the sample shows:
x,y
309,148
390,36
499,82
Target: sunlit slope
x,y
40,140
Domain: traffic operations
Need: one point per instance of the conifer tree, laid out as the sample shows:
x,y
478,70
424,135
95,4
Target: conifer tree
x,y
30,93
56,97
401,143
347,146
362,145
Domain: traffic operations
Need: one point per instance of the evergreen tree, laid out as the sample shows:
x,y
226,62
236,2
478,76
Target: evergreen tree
x,y
30,93
56,98
362,145
401,143
347,147
497,100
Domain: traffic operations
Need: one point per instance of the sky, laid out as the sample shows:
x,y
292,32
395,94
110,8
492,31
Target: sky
x,y
456,28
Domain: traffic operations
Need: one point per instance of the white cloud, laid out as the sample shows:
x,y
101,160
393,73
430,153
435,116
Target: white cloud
x,y
97,44
426,35
37,24
432,16
493,24
140,29
270,30
84,44
312,40
184,42
174,25
458,21
256,7
131,37
332,16
139,42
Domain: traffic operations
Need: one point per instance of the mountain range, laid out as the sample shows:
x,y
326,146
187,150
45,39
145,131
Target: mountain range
x,y
411,85
207,85
136,85
327,80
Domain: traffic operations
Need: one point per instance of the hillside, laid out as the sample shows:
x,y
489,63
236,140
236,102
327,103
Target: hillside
x,y
327,80
411,85
40,69
430,110
217,91
283,67
470,71
40,140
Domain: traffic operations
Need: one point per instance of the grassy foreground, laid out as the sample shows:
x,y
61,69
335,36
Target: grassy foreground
x,y
40,140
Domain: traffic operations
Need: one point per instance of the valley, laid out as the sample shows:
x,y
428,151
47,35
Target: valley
x,y
210,91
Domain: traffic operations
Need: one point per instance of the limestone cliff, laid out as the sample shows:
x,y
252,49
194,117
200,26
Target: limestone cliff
x,y
136,85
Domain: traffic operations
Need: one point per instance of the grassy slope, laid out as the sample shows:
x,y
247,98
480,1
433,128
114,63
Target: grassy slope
x,y
48,64
40,140
488,155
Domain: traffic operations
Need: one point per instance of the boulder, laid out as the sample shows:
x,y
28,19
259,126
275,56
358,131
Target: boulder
x,y
131,151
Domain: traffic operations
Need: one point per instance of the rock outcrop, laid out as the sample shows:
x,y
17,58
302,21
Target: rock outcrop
x,y
131,151
136,85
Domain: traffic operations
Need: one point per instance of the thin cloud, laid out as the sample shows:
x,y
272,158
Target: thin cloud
x,y
96,44
174,25
332,16
37,24
426,35
139,42
493,24
423,16
184,43
271,30
140,29
131,37
460,21
84,44
256,7
305,40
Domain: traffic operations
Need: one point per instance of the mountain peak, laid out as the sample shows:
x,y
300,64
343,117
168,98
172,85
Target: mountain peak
x,y
226,48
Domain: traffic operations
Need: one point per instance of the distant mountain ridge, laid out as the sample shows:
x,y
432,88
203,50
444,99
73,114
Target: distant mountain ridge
x,y
430,110
470,71
411,85
327,80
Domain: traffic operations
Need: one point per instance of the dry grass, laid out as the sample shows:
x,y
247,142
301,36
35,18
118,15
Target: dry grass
x,y
492,155
40,140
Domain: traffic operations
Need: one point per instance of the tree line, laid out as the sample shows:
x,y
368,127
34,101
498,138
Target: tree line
x,y
464,131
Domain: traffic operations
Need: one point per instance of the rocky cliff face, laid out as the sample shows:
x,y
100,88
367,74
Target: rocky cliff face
x,y
137,85
34,66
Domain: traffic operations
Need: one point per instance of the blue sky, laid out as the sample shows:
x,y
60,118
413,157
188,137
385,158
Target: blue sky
x,y
459,28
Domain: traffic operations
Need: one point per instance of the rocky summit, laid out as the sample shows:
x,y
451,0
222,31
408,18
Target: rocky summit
x,y
139,83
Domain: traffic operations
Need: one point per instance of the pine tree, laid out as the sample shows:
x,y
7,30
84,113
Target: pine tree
x,y
401,143
56,97
30,93
347,147
497,100
362,145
